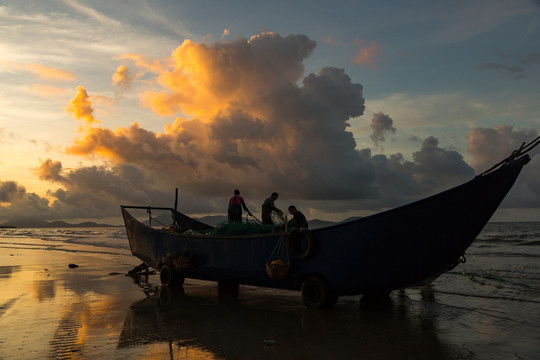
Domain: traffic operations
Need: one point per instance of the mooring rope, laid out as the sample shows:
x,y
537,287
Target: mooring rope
x,y
516,153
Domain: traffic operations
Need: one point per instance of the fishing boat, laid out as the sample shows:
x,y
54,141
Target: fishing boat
x,y
371,256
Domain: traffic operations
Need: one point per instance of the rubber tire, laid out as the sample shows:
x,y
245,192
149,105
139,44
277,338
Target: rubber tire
x,y
168,277
316,294
294,237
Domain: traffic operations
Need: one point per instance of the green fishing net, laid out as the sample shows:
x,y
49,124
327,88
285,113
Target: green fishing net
x,y
248,228
233,228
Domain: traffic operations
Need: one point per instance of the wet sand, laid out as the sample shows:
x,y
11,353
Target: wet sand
x,y
94,311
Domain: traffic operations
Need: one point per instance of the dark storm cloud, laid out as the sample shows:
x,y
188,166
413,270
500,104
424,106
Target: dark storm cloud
x,y
380,125
10,190
249,120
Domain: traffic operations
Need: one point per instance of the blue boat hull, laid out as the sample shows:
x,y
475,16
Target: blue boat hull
x,y
393,249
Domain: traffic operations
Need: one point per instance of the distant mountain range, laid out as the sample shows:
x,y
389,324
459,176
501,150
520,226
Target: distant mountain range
x,y
216,219
36,223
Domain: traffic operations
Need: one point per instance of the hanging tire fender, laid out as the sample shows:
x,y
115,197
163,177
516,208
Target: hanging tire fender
x,y
293,243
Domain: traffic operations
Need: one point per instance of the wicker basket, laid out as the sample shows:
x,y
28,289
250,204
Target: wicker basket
x,y
277,269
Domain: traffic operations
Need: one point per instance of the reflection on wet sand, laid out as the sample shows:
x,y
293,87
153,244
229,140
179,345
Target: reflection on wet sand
x,y
227,327
7,271
44,289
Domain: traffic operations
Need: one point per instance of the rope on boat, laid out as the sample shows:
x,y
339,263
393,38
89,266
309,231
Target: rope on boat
x,y
516,153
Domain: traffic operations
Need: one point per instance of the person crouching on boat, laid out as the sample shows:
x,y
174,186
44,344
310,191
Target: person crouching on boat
x,y
236,203
298,220
267,208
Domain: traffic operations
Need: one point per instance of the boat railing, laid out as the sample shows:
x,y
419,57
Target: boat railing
x,y
149,210
179,222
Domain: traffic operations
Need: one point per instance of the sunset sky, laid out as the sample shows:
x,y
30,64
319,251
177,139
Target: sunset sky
x,y
344,108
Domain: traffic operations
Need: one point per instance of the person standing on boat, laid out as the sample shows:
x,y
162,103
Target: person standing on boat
x,y
236,203
267,208
298,220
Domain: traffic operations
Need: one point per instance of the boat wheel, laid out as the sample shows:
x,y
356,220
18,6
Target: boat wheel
x,y
169,278
315,293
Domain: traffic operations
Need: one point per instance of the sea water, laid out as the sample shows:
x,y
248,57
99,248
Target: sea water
x,y
485,308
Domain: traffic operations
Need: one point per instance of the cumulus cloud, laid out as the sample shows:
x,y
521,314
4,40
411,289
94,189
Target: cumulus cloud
x,y
437,168
80,107
246,116
489,146
122,80
10,190
381,124
250,120
50,170
251,124
16,202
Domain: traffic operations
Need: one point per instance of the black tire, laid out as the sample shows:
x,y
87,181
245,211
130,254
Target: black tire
x,y
316,293
293,243
168,277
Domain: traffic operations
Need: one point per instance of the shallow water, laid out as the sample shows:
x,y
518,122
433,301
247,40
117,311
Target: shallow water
x,y
486,308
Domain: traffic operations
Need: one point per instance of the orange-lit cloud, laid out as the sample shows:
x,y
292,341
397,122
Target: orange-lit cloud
x,y
44,72
225,33
331,41
50,170
252,125
80,107
122,79
207,78
47,91
368,55
246,117
146,64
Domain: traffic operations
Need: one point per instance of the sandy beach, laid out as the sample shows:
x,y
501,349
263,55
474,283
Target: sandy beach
x,y
49,310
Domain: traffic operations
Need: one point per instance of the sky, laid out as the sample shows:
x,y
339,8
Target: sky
x,y
343,108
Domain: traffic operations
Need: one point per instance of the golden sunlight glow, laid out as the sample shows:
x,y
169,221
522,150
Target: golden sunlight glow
x,y
80,107
122,78
44,72
47,91
202,81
